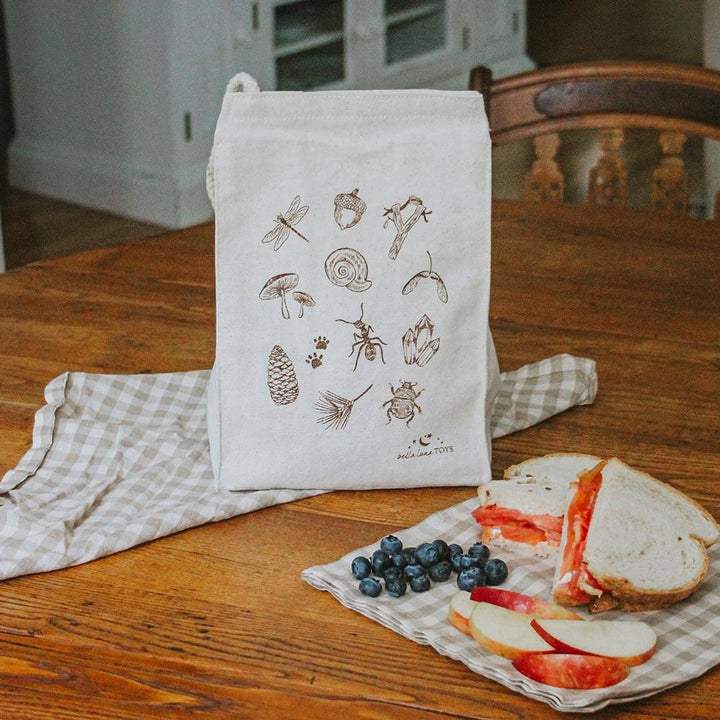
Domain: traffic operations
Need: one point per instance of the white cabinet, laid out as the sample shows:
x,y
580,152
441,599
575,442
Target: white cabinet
x,y
115,102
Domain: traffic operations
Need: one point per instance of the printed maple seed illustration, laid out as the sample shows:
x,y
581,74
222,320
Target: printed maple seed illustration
x,y
285,222
402,226
347,267
349,209
335,410
314,360
281,379
412,283
364,342
321,342
402,403
419,347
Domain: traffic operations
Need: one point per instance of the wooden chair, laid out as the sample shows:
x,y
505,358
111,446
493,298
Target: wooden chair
x,y
610,97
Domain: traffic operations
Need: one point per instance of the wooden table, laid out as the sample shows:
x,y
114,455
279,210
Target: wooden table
x,y
215,621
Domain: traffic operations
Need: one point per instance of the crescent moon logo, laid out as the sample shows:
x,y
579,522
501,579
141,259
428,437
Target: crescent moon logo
x,y
425,440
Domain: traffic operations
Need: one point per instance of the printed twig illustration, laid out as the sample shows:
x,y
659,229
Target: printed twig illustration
x,y
346,267
402,403
285,222
278,287
418,344
314,360
349,209
304,300
403,227
364,342
321,342
281,379
335,410
411,284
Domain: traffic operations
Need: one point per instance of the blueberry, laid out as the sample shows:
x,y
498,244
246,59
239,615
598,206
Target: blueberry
x,y
455,562
380,560
392,572
395,586
470,578
370,587
480,551
455,549
420,584
426,554
361,568
496,572
391,545
409,553
414,571
440,572
443,550
399,560
467,561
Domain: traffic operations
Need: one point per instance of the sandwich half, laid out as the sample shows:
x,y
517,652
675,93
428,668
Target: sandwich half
x,y
630,542
525,510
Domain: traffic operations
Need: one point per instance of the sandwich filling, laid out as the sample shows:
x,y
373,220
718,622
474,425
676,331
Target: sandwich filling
x,y
514,525
575,584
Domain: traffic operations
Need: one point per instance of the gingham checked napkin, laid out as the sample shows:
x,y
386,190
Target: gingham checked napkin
x,y
117,460
687,633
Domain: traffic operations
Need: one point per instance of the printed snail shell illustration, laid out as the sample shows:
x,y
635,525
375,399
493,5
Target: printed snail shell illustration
x,y
281,379
349,209
347,268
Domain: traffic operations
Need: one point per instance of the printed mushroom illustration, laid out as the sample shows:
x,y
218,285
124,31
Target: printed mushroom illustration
x,y
278,287
304,300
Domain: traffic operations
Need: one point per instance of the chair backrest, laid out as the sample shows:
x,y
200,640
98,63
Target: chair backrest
x,y
673,99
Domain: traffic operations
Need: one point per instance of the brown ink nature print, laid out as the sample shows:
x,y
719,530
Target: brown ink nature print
x,y
404,225
364,342
286,224
348,268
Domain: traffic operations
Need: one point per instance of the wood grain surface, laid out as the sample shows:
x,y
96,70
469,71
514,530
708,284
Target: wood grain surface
x,y
215,621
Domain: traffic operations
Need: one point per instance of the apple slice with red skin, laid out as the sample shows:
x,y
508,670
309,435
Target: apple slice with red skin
x,y
629,641
522,603
506,632
460,609
578,672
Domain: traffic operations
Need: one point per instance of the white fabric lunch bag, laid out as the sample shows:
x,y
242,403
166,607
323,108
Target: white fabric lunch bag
x,y
353,279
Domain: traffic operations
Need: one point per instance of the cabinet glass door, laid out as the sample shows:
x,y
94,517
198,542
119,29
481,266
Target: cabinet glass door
x,y
413,28
309,44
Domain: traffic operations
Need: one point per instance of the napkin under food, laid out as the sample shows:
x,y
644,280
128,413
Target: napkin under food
x,y
118,460
687,632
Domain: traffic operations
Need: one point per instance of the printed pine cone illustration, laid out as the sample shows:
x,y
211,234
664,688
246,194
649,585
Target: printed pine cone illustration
x,y
281,379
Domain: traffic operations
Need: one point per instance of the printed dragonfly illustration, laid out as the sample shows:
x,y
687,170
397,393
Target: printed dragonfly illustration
x,y
285,222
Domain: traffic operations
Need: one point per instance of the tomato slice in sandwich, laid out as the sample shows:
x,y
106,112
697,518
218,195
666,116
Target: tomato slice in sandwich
x,y
514,525
575,585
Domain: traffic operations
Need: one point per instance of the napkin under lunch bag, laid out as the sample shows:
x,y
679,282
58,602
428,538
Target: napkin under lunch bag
x,y
353,279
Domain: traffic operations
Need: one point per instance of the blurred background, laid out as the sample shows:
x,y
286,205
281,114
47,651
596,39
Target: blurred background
x,y
108,107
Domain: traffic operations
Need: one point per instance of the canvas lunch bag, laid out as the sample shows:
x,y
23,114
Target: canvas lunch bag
x,y
352,289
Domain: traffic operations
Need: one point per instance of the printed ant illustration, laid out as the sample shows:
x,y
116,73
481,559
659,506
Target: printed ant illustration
x,y
364,342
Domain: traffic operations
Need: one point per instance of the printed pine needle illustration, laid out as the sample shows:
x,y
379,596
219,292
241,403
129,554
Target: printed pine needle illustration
x,y
335,410
281,379
285,224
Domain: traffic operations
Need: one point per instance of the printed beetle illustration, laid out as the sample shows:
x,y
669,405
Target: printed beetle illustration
x,y
402,404
363,341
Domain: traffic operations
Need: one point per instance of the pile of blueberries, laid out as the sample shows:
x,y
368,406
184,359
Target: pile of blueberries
x,y
399,567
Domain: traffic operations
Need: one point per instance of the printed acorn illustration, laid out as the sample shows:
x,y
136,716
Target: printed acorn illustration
x,y
281,379
349,209
412,283
419,347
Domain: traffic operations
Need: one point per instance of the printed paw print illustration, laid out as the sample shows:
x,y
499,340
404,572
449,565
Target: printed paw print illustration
x,y
314,360
321,342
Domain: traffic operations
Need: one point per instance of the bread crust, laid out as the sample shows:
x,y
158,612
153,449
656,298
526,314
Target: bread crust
x,y
508,474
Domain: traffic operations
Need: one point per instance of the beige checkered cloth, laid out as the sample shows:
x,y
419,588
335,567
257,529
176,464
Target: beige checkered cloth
x,y
118,460
687,633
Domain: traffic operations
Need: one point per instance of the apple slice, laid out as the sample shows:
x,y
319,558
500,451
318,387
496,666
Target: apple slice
x,y
461,607
578,672
505,632
522,603
629,641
